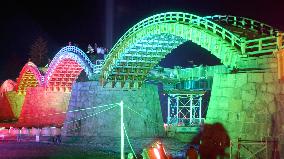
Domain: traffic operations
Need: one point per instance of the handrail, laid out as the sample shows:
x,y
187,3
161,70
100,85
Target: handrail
x,y
174,17
253,46
265,44
244,22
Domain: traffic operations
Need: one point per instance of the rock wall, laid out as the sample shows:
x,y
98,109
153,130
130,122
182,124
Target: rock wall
x,y
6,112
44,108
95,117
250,105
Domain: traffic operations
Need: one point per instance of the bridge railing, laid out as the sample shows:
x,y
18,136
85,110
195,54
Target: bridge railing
x,y
244,23
183,18
171,17
254,46
194,73
264,45
98,66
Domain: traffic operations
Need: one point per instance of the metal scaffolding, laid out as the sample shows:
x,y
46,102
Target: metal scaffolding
x,y
248,149
185,109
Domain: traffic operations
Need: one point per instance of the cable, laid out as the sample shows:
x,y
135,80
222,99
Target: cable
x,y
64,112
115,105
159,124
129,141
92,114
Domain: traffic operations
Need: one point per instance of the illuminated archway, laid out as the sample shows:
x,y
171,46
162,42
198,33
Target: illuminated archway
x,y
29,77
65,68
147,42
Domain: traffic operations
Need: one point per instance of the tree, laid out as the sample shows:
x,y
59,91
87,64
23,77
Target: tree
x,y
38,52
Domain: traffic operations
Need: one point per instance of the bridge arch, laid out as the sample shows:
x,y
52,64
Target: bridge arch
x,y
65,68
7,86
29,77
147,42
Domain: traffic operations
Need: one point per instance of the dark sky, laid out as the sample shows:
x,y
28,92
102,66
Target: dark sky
x,y
84,22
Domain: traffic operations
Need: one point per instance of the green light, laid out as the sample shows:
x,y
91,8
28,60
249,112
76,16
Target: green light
x,y
159,34
146,43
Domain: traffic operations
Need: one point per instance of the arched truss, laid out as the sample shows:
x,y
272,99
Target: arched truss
x,y
147,42
29,77
66,67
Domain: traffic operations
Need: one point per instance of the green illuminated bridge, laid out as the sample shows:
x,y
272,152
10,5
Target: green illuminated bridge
x,y
229,38
234,40
246,97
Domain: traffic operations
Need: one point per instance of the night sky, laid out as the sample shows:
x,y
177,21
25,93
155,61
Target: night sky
x,y
84,22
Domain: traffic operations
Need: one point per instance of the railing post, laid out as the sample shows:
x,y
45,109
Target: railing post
x,y
200,105
243,45
279,40
223,33
232,40
259,45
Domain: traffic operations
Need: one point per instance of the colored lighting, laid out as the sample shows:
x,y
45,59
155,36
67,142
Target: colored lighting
x,y
157,154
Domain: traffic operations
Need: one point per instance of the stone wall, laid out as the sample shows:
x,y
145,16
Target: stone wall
x,y
44,108
6,112
250,105
142,112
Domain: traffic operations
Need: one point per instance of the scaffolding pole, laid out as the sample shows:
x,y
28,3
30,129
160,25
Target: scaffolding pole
x,y
121,131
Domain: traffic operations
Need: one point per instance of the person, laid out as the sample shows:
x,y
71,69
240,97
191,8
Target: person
x,y
90,49
57,135
192,153
19,132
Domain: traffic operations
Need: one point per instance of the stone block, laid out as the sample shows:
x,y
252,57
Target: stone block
x,y
227,83
272,88
261,118
249,116
237,93
248,95
255,77
235,105
249,128
212,114
262,87
227,92
281,88
273,65
216,92
232,117
268,97
216,80
214,101
249,87
224,103
222,115
241,117
269,77
271,107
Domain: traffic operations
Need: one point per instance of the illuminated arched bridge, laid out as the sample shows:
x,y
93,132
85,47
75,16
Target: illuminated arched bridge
x,y
141,48
246,95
